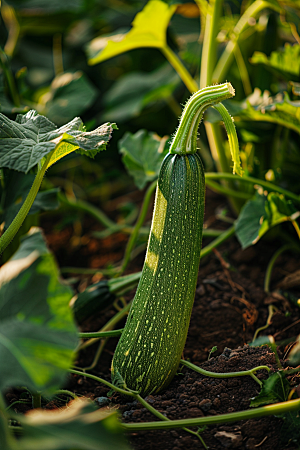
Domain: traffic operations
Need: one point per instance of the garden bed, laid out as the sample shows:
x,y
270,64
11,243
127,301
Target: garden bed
x,y
230,304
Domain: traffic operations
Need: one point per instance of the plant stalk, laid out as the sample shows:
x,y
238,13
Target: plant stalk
x,y
14,227
269,410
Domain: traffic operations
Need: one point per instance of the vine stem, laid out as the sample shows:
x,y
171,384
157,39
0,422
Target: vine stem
x,y
218,241
271,265
14,227
136,395
269,186
227,191
180,69
242,373
228,54
91,210
269,410
138,225
101,334
109,325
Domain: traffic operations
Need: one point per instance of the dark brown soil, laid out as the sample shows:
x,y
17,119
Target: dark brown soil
x,y
230,304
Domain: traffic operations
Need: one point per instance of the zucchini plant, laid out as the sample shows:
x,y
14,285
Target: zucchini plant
x,y
149,351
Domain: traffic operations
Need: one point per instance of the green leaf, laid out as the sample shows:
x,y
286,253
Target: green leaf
x,y
275,389
279,109
260,107
37,333
70,95
132,92
262,213
26,141
290,430
148,30
80,425
286,60
142,155
44,7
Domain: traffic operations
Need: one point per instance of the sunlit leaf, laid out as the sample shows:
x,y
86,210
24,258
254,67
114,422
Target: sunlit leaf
x,y
70,95
262,213
148,30
142,155
286,60
80,425
37,333
26,141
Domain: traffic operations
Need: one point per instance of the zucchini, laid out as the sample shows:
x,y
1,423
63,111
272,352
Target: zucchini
x,y
149,350
99,296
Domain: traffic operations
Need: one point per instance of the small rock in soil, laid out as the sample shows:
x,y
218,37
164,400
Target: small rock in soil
x,y
229,440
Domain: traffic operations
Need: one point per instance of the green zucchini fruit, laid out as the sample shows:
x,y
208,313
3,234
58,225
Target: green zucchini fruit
x,y
101,295
149,350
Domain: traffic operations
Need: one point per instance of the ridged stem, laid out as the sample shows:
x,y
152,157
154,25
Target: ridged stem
x,y
14,227
271,264
185,139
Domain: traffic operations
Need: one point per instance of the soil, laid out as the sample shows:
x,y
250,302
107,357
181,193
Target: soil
x,y
230,304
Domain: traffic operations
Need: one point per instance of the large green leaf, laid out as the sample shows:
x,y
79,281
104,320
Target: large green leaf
x,y
26,141
148,30
262,213
37,333
286,60
132,92
80,425
142,155
70,95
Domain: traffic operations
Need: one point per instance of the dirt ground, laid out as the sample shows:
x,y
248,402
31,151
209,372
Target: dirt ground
x,y
230,304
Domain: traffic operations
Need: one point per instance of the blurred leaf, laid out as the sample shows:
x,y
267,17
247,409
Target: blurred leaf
x,y
290,430
294,356
79,425
148,30
132,92
286,60
44,6
261,340
275,389
262,213
31,137
142,155
17,186
37,333
295,87
263,108
70,95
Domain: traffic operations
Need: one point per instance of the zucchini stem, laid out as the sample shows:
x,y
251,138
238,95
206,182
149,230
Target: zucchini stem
x,y
185,139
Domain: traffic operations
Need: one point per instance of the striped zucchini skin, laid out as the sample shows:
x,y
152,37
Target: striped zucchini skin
x,y
149,350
